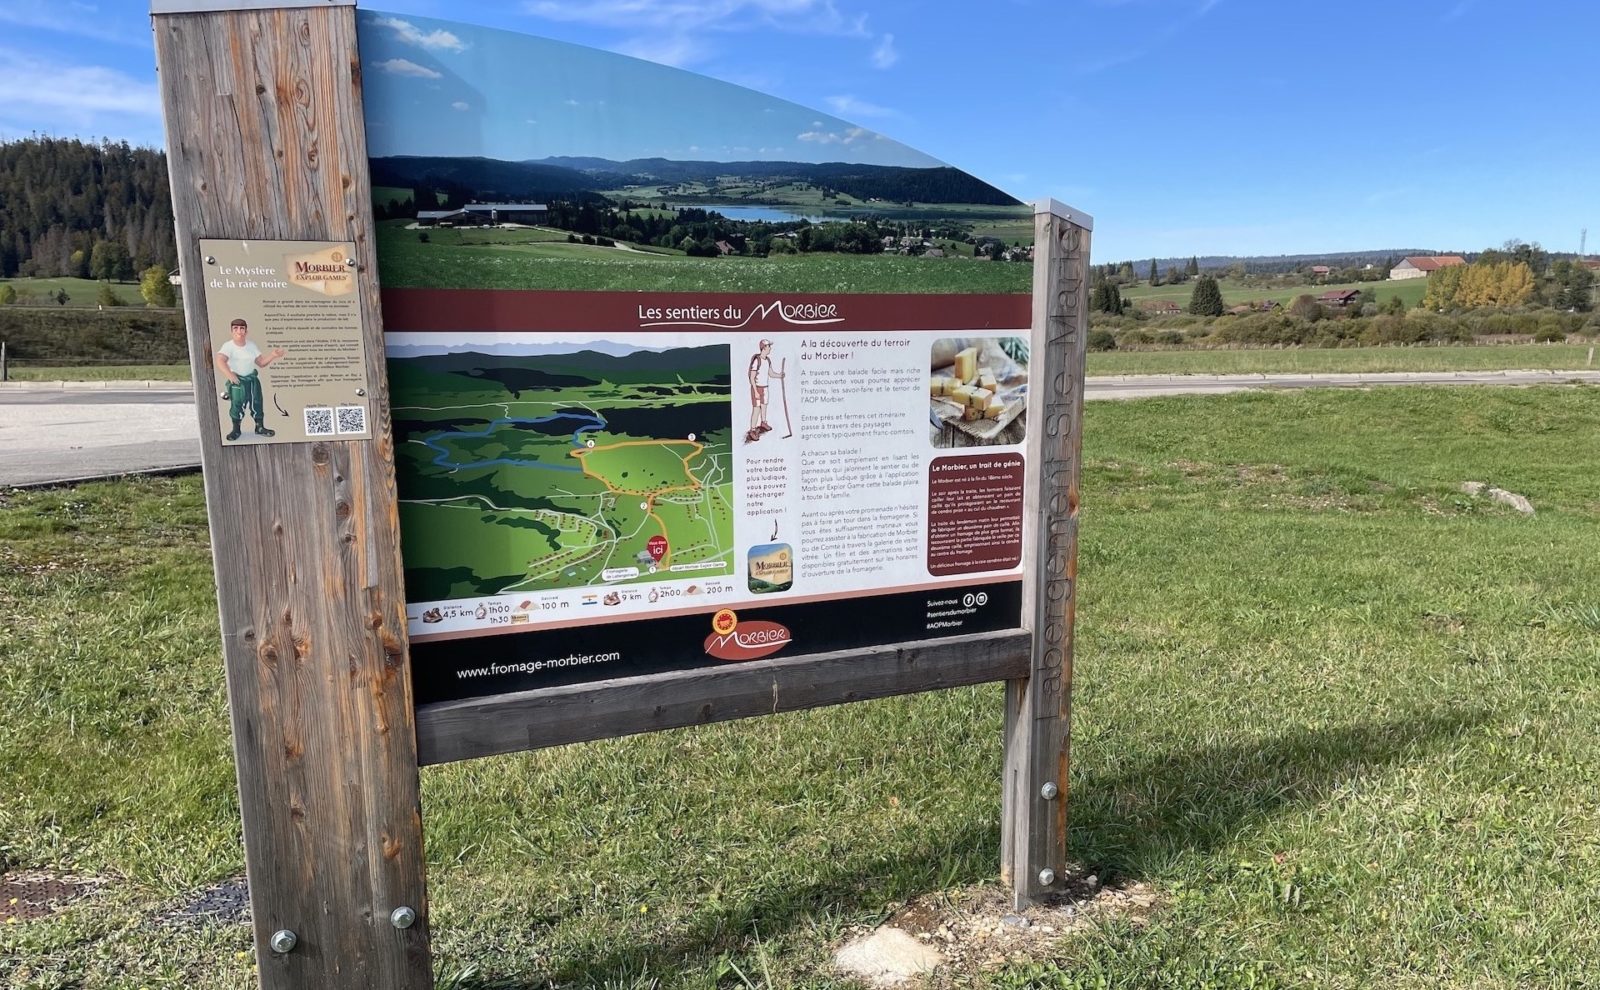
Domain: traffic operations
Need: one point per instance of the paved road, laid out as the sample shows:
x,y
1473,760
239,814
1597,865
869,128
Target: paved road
x,y
51,434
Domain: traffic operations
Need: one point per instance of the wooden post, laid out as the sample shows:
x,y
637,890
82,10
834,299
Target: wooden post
x,y
1038,707
265,141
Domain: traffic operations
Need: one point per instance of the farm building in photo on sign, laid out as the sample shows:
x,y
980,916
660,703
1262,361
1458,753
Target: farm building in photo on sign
x,y
484,214
1160,307
1422,266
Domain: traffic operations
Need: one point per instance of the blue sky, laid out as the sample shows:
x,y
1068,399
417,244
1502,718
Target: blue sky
x,y
1184,126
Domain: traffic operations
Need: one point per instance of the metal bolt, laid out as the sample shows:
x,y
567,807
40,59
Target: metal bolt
x,y
402,917
283,941
211,261
1049,791
361,391
1047,877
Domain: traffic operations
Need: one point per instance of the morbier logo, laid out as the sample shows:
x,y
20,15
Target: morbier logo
x,y
323,272
731,639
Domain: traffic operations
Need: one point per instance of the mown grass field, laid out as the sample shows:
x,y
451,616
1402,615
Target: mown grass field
x,y
1235,293
1336,714
81,291
1313,360
467,263
1556,357
99,373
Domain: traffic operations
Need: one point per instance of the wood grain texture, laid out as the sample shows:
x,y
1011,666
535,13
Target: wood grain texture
x,y
1038,707
265,141
460,730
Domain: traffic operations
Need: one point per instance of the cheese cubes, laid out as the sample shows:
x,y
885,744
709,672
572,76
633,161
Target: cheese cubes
x,y
976,389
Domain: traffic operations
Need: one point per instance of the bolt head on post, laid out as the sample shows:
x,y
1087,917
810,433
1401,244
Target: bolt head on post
x,y
1049,791
403,917
1047,877
283,941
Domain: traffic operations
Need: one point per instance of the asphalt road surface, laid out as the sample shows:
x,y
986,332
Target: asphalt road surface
x,y
50,434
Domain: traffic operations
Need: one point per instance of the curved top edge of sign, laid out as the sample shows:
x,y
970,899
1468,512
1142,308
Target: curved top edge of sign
x,y
454,89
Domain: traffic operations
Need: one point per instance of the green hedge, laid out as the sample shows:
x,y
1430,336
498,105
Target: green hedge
x,y
40,335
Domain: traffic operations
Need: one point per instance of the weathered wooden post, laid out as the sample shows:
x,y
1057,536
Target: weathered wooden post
x,y
265,142
1038,707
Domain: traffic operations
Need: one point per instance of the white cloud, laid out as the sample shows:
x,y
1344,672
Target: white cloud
x,y
86,20
885,54
406,67
460,105
684,16
853,135
674,49
850,106
674,32
78,92
438,40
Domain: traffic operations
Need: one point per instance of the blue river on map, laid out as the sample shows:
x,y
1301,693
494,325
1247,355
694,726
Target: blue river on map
x,y
586,422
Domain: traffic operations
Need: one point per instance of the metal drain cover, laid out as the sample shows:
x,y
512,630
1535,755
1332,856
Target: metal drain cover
x,y
29,895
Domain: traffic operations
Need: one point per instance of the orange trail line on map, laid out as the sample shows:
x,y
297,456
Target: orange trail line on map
x,y
649,497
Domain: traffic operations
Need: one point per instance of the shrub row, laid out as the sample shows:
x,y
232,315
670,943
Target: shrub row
x,y
49,335
1285,329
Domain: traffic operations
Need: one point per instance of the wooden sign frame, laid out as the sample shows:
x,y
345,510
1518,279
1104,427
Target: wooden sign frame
x,y
265,141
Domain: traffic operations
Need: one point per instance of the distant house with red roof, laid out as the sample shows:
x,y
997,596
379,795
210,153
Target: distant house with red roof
x,y
1339,298
1424,265
1161,307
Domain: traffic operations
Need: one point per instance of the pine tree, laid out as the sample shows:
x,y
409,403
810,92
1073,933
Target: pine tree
x,y
1155,279
1194,266
1206,300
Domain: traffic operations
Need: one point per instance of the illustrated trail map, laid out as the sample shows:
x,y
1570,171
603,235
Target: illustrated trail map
x,y
598,465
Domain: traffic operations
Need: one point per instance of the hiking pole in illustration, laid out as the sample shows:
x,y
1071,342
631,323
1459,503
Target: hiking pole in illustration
x,y
783,390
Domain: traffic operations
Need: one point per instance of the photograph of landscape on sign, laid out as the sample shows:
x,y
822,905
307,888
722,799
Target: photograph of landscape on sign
x,y
599,171
595,464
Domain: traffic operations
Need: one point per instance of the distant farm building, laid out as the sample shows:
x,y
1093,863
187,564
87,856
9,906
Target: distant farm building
x,y
1321,271
485,214
1424,265
1339,298
1161,307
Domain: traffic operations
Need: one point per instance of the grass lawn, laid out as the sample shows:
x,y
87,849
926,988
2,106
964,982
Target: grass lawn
x,y
1338,716
1234,293
507,263
101,373
83,291
1556,357
1559,357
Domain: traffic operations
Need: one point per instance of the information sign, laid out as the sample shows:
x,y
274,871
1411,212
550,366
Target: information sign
x,y
286,341
599,452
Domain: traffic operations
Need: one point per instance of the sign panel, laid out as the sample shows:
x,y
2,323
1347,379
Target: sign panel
x,y
286,342
682,374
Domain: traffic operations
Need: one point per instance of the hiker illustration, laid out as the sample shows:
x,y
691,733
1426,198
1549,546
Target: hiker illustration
x,y
241,361
761,374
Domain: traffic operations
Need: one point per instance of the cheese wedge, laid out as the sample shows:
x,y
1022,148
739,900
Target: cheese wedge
x,y
967,365
995,408
979,399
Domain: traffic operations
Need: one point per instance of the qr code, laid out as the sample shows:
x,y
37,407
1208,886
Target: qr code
x,y
352,419
319,421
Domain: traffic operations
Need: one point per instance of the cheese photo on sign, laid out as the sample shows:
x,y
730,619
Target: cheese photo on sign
x,y
978,391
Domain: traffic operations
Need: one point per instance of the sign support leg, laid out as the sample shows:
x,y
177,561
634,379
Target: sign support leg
x,y
1038,707
265,141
